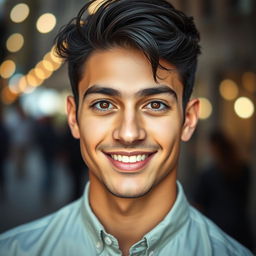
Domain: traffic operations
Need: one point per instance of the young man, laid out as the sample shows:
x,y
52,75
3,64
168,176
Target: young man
x,y
131,65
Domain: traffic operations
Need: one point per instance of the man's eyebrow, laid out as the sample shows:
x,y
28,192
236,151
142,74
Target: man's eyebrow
x,y
159,89
101,90
156,90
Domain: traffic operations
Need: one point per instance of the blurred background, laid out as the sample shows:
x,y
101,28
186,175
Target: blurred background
x,y
40,164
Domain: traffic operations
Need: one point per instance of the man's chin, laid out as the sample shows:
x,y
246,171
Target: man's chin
x,y
128,194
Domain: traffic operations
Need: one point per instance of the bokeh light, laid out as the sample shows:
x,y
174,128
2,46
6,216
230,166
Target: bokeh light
x,y
46,23
244,107
19,13
41,71
7,68
94,6
14,83
32,79
45,101
228,89
205,108
8,96
22,84
47,65
15,42
249,81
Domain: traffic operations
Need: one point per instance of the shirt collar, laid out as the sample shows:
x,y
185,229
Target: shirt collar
x,y
163,232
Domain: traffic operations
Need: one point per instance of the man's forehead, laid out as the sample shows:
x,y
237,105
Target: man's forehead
x,y
124,69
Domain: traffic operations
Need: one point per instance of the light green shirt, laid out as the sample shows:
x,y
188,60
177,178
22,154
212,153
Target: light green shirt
x,y
75,231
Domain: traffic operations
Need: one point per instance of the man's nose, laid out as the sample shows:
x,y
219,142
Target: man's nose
x,y
129,128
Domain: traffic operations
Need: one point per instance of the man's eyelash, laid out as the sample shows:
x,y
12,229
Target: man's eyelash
x,y
93,105
165,106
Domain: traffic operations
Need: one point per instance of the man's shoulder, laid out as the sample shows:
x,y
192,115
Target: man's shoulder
x,y
219,242
37,232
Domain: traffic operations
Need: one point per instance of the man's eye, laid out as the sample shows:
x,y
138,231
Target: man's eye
x,y
157,106
102,105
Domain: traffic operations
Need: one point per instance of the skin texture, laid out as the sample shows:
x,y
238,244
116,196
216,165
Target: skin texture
x,y
130,122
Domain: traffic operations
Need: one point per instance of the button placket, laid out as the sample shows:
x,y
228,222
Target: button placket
x,y
151,253
108,240
98,245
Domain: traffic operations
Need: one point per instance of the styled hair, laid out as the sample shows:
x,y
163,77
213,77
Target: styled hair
x,y
154,27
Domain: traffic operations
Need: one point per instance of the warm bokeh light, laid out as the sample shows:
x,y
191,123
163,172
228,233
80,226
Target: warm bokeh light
x,y
228,89
205,108
43,72
15,42
94,6
19,13
53,59
39,73
249,81
54,55
22,84
32,79
14,83
46,23
8,96
7,68
244,107
48,65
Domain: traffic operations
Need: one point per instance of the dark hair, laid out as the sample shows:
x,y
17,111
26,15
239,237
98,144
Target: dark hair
x,y
153,26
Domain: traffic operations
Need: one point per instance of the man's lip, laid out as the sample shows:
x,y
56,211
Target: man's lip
x,y
130,167
125,153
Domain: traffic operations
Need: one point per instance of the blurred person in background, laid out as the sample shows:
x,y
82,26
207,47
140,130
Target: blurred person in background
x,y
132,67
47,140
21,128
222,191
71,154
4,150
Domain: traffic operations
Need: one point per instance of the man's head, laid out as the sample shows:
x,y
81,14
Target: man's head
x,y
154,27
132,67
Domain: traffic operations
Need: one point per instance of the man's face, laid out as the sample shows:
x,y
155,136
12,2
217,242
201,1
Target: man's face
x,y
129,126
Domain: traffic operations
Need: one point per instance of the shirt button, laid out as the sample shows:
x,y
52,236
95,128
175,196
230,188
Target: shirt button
x,y
108,240
98,245
151,253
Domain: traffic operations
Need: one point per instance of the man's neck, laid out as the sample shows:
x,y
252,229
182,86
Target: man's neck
x,y
129,219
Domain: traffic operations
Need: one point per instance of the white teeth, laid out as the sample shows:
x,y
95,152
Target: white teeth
x,y
125,159
129,159
139,157
132,159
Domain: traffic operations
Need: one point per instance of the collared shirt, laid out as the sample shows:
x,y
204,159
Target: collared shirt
x,y
75,231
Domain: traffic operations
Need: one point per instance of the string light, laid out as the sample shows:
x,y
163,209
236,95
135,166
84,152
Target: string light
x,y
19,13
46,23
205,108
249,81
15,42
7,68
228,89
244,107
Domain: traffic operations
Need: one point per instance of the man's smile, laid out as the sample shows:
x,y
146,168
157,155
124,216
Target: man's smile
x,y
129,161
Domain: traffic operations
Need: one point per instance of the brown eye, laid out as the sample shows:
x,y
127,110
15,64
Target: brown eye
x,y
104,105
155,105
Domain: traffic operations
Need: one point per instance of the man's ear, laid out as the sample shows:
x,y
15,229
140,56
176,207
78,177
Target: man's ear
x,y
72,120
191,119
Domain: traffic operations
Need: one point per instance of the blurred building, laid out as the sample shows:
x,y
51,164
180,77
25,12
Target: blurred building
x,y
226,80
